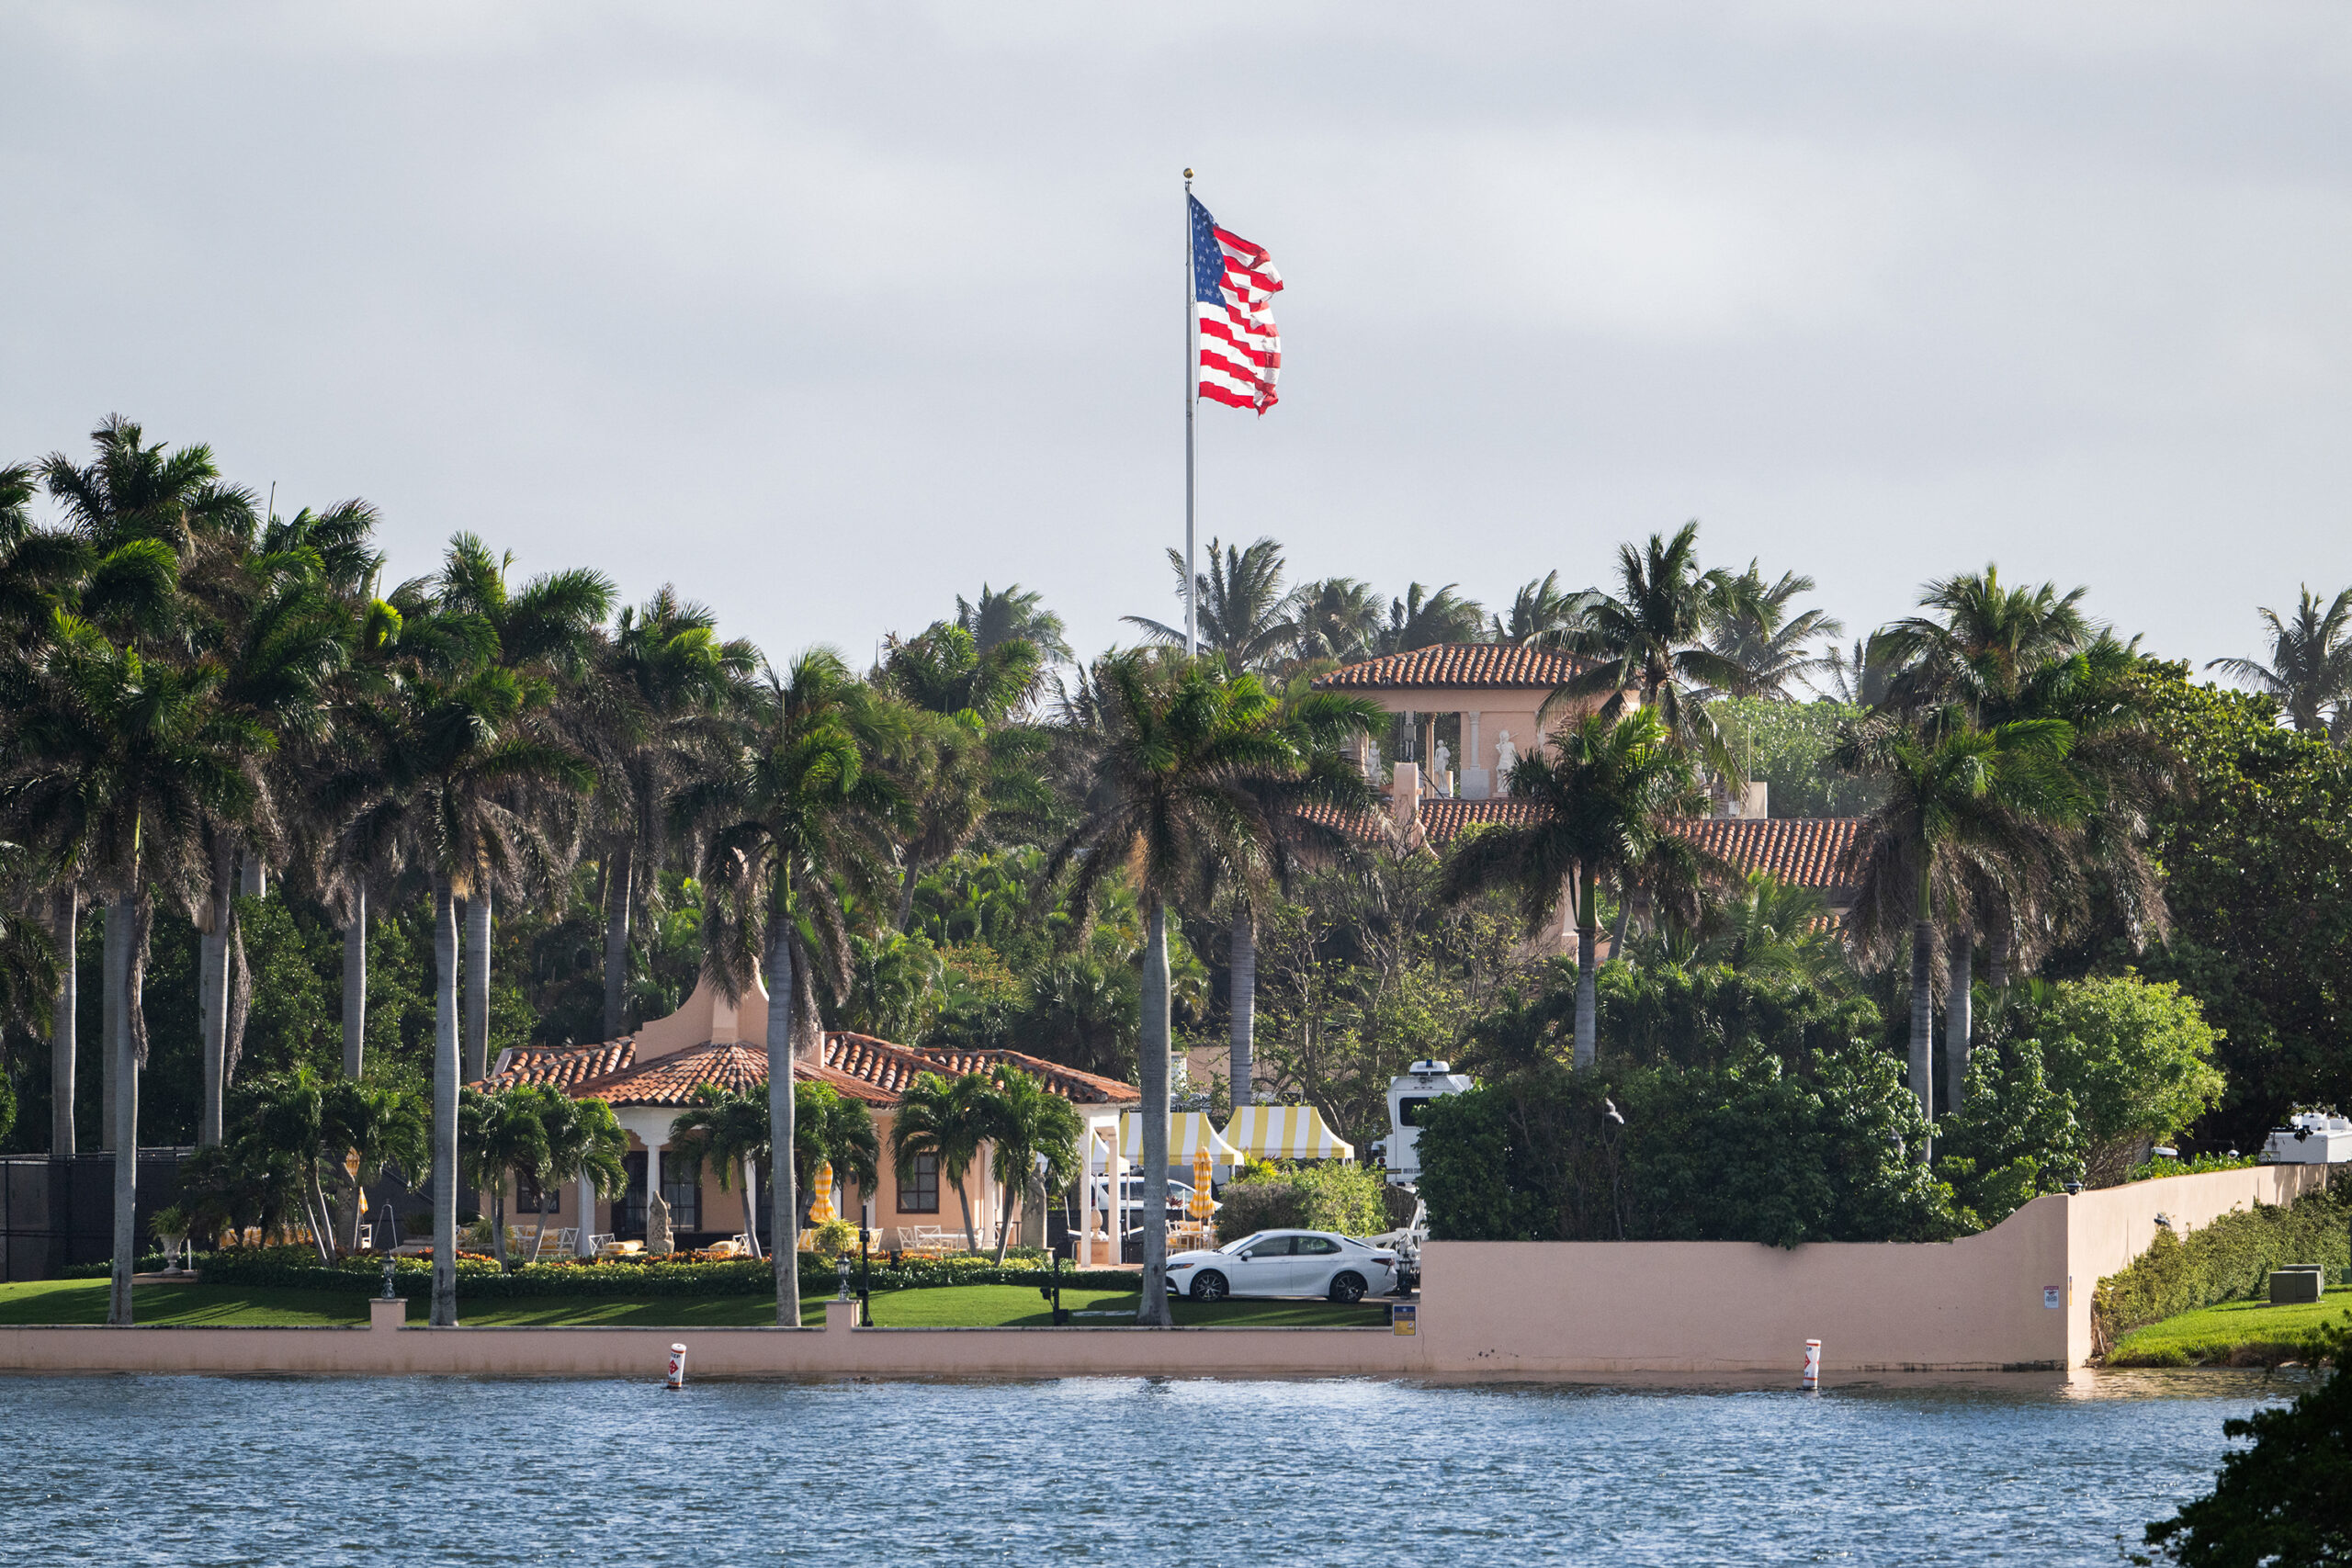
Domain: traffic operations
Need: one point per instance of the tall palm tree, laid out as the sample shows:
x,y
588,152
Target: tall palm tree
x,y
2310,670
544,632
1605,800
120,760
948,1121
658,705
833,1129
1241,604
1983,642
1544,614
429,774
1646,641
1033,1137
1163,791
1425,618
729,1131
1335,619
1964,806
1753,628
800,816
1016,612
385,1126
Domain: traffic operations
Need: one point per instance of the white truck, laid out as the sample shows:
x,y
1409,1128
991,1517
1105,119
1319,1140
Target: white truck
x,y
1409,1094
2310,1137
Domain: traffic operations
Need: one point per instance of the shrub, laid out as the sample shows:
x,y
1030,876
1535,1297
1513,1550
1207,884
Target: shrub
x,y
479,1279
2229,1259
1327,1197
833,1237
2136,1056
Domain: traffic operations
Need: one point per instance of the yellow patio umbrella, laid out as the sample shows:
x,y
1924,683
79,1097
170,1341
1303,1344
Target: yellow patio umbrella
x,y
821,1209
1200,1206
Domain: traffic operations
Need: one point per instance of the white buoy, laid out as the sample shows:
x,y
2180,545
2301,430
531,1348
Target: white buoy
x,y
677,1366
1813,1363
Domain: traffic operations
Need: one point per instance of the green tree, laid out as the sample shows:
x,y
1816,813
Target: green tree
x,y
385,1125
2137,1058
2285,1500
948,1121
584,1142
2309,672
1646,641
800,815
1162,794
1605,798
500,1135
830,1128
999,616
1544,614
1240,607
1033,1137
1752,626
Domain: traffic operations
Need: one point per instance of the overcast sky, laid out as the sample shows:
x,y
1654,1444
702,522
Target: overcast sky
x,y
828,314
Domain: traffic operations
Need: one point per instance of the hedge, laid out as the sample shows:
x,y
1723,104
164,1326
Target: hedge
x,y
2230,1260
413,1277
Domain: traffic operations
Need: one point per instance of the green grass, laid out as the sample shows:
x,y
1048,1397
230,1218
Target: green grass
x,y
957,1306
2234,1333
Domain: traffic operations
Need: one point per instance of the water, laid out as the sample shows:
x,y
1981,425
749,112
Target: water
x,y
287,1472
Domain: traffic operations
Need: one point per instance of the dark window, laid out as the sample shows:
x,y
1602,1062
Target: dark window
x,y
1271,1246
628,1214
526,1195
1316,1245
1409,1112
919,1187
682,1190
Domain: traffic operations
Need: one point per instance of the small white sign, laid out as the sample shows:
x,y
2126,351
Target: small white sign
x,y
2053,1297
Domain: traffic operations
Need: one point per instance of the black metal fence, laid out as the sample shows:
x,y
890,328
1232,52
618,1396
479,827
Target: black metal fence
x,y
58,1211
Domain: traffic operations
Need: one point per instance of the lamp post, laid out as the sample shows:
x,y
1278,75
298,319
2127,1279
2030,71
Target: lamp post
x,y
865,1261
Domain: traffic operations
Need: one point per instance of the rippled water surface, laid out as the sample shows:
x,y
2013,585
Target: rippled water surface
x,y
448,1470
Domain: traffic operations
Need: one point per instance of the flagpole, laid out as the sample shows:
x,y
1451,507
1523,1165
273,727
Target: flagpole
x,y
1191,396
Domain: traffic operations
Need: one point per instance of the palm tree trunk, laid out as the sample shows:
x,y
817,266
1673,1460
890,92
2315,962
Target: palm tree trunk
x,y
752,1204
477,984
212,990
783,1218
1997,959
66,919
616,907
906,893
1153,1308
356,1188
354,987
964,1204
1588,990
498,1219
124,1081
445,1106
1923,1027
321,1228
112,987
1241,1069
1624,919
537,1235
1959,1018
1004,1224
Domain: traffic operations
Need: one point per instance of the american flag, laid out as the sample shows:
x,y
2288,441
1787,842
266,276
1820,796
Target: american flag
x,y
1234,284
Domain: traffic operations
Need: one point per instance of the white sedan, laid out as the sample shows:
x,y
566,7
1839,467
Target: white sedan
x,y
1285,1263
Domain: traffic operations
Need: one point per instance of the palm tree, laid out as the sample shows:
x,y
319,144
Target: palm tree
x,y
429,774
1162,792
290,1122
1241,604
1424,618
945,1120
728,1130
2309,672
1605,801
656,708
1965,806
543,632
1771,926
831,1128
584,1142
385,1127
120,761
1646,641
1543,614
500,1133
1336,619
1033,1136
796,818
1753,628
1986,642
1014,612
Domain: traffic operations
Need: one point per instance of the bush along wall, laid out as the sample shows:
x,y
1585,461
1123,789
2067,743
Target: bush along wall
x,y
2230,1260
294,1268
1347,1199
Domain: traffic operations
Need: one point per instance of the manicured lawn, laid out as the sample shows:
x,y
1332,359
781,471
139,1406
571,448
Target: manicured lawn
x,y
958,1306
2235,1333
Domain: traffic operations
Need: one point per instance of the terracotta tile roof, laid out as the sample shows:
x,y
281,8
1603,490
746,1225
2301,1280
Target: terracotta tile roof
x,y
893,1067
1472,664
859,1066
1804,851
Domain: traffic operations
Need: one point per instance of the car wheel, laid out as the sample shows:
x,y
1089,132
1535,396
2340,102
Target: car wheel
x,y
1347,1288
1209,1286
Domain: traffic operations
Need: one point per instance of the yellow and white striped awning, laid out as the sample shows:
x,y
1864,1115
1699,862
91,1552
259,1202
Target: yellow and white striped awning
x,y
1189,1132
1285,1132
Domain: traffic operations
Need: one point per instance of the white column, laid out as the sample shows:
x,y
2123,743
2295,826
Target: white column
x,y
587,1218
1475,777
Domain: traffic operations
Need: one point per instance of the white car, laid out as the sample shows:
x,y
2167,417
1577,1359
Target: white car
x,y
1285,1263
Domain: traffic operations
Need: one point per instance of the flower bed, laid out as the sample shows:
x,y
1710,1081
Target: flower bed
x,y
479,1279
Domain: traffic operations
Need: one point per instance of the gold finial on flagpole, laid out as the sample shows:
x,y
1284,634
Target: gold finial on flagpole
x,y
1188,174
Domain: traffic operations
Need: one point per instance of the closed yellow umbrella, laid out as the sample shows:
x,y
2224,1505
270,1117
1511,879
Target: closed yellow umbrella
x,y
1201,1205
820,1209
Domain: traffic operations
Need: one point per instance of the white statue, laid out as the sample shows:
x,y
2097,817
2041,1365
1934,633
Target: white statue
x,y
1372,760
1445,771
1505,755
